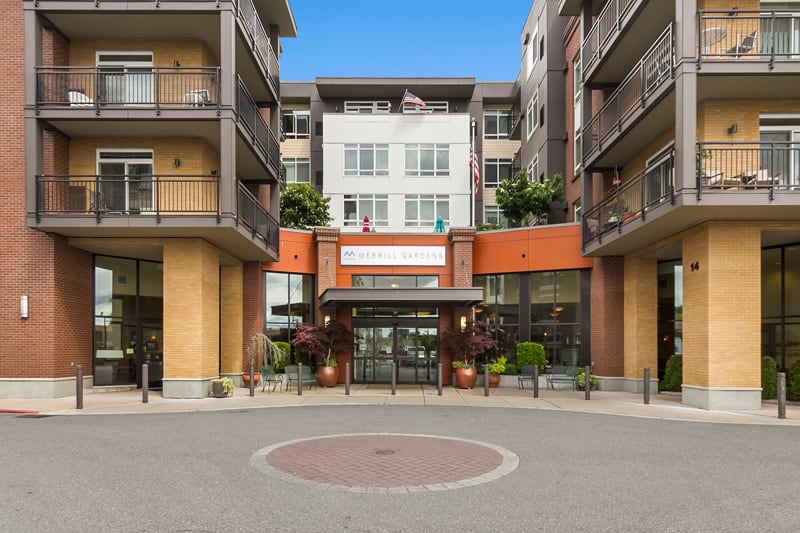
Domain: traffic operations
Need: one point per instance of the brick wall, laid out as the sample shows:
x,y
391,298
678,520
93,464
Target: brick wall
x,y
607,327
253,303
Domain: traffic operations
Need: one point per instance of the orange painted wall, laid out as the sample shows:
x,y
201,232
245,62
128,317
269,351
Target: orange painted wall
x,y
529,250
298,253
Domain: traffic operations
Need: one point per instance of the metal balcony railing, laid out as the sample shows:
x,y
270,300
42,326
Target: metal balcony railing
x,y
259,39
250,117
116,195
631,200
766,166
653,69
607,25
254,217
748,35
107,88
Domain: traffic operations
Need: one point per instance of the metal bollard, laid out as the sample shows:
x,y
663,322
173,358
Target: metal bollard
x,y
252,379
299,379
587,381
78,387
486,380
145,381
394,377
781,395
535,381
347,379
439,379
646,387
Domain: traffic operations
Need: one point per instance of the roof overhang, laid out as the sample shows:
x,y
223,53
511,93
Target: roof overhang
x,y
335,87
403,297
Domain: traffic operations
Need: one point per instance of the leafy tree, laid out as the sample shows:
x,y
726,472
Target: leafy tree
x,y
469,343
303,207
528,202
323,341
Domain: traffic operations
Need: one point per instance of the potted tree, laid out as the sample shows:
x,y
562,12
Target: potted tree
x,y
467,344
323,342
261,350
496,367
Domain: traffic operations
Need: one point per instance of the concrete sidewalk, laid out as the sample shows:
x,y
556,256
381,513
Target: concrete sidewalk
x,y
664,406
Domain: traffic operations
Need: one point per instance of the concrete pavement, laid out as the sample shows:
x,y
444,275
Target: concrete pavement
x,y
662,406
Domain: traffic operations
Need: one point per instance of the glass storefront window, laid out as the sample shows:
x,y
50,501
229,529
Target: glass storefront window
x,y
556,315
288,302
499,310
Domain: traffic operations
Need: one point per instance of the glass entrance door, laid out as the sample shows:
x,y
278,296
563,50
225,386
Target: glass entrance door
x,y
412,347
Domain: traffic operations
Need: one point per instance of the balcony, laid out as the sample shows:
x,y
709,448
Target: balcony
x,y
258,39
255,128
635,96
742,181
749,37
515,122
103,89
156,207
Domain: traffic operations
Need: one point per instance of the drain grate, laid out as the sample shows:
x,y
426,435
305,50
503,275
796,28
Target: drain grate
x,y
384,452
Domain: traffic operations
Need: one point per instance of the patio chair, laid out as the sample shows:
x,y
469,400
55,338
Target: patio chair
x,y
269,377
525,376
79,99
306,378
746,46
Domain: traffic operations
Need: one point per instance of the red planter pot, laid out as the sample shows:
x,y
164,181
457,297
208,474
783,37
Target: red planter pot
x,y
494,380
328,376
466,377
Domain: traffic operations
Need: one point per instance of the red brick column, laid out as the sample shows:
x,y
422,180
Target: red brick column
x,y
607,316
327,240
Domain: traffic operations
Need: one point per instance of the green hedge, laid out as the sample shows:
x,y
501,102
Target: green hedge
x,y
531,353
793,382
769,378
673,374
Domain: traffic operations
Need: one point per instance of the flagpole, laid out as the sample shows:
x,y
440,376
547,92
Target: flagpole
x,y
400,109
473,156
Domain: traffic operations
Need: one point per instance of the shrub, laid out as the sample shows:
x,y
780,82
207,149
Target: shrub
x,y
498,366
511,369
580,381
287,349
793,382
769,378
673,374
531,353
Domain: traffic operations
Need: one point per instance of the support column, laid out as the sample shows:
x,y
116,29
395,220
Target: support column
x,y
191,317
722,316
231,326
641,320
607,324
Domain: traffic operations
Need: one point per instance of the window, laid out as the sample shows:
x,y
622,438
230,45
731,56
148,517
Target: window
x,y
297,169
288,301
577,213
577,115
430,107
125,78
295,123
496,170
496,123
368,108
423,209
366,159
427,160
358,206
555,311
533,169
492,214
532,55
530,116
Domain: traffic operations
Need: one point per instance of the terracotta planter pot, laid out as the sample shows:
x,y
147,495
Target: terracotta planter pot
x,y
328,376
494,380
246,378
466,377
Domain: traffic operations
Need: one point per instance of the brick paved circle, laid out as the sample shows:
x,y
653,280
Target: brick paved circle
x,y
385,462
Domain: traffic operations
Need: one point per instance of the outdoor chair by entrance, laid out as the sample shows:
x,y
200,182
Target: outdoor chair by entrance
x,y
525,376
269,377
562,374
306,378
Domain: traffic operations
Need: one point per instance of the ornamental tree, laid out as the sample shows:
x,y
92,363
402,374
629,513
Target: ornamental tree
x,y
528,202
323,341
303,207
469,343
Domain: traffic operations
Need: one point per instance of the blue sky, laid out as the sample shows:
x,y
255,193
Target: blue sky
x,y
472,38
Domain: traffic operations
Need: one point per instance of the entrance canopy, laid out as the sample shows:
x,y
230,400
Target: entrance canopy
x,y
401,297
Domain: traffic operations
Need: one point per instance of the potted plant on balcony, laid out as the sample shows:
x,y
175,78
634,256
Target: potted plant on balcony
x,y
468,343
323,342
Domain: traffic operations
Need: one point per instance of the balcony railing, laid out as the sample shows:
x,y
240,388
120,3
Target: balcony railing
x,y
254,217
115,195
749,35
653,69
607,24
250,117
765,166
259,39
631,200
108,88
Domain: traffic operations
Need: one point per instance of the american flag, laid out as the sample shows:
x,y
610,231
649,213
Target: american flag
x,y
411,98
476,172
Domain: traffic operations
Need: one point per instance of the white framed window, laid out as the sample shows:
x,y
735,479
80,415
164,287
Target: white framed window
x,y
295,123
496,123
531,116
532,54
496,170
781,158
125,77
577,212
366,159
298,169
373,206
430,107
368,108
125,179
492,214
422,210
577,115
533,169
427,160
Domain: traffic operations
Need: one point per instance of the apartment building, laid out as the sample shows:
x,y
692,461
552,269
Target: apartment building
x,y
142,157
688,117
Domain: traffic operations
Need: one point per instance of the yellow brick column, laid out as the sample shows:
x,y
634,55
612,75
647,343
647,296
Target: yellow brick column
x,y
231,326
641,321
191,317
722,316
